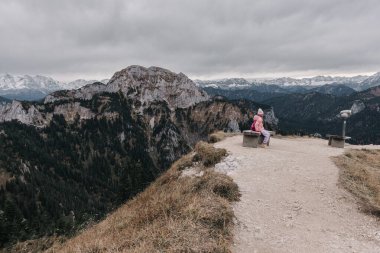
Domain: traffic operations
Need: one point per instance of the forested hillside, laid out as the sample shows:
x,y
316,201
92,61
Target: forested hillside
x,y
56,178
319,113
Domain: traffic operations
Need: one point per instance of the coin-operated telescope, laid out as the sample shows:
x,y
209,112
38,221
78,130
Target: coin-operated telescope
x,y
345,114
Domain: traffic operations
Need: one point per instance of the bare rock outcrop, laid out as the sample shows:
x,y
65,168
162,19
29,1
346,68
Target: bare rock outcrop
x,y
357,107
27,114
156,84
86,93
70,111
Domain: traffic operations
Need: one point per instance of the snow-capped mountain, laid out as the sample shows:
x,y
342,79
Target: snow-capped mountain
x,y
228,83
373,79
355,82
370,82
26,87
10,82
315,81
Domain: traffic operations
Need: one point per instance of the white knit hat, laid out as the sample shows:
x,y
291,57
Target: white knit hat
x,y
260,112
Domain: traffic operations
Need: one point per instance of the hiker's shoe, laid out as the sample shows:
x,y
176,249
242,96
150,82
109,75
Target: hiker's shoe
x,y
263,145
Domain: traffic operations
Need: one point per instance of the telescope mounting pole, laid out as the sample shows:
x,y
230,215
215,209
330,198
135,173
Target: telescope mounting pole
x,y
344,128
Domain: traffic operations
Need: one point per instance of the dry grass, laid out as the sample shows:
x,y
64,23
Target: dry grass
x,y
208,154
174,214
217,136
33,246
220,135
360,174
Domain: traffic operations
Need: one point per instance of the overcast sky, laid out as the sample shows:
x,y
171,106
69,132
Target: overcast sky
x,y
68,39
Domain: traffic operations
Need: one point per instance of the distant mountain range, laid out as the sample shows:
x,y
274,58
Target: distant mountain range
x,y
357,83
26,87
32,88
261,90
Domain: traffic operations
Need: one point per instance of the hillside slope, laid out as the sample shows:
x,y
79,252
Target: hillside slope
x,y
187,209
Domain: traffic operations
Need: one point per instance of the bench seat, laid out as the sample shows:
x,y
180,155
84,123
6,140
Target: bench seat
x,y
337,141
250,132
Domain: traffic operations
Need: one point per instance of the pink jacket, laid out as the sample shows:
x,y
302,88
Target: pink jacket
x,y
259,123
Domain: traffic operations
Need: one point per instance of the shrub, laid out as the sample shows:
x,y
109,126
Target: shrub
x,y
209,155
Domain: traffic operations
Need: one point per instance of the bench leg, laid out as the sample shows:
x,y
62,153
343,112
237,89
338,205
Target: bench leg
x,y
337,143
250,141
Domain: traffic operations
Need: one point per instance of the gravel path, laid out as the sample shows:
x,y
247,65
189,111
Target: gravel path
x,y
291,202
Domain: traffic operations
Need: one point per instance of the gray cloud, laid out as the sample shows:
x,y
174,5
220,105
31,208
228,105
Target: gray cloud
x,y
94,38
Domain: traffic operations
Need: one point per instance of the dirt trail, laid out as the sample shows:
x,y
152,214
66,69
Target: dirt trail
x,y
291,202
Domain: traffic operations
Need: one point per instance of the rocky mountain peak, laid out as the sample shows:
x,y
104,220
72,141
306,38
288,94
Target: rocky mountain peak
x,y
143,85
156,84
375,77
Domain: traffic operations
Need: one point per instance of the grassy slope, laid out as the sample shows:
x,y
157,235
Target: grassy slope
x,y
177,213
360,175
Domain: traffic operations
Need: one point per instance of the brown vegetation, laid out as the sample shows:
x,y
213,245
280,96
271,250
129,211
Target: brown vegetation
x,y
360,174
33,246
176,213
208,154
216,137
219,136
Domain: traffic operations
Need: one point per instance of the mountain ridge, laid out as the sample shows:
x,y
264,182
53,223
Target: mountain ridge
x,y
27,87
357,83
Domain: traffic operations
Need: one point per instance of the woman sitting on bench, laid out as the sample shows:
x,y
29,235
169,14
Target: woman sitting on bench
x,y
258,126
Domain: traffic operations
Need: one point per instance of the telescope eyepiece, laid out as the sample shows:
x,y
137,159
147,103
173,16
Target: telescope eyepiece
x,y
345,114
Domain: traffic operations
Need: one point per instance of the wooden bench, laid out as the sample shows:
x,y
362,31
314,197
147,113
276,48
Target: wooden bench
x,y
337,141
252,139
